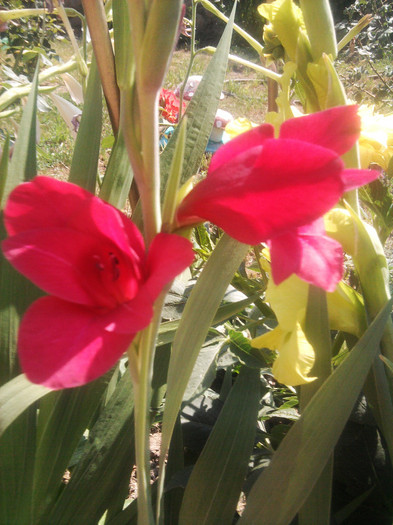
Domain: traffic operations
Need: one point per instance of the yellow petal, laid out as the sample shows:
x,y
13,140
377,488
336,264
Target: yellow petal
x,y
271,340
370,153
339,225
376,137
346,310
287,300
238,126
295,359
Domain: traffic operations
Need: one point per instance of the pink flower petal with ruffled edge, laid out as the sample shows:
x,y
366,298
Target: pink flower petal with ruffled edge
x,y
75,266
46,202
310,254
168,256
258,187
336,128
92,260
263,189
353,179
257,197
63,345
251,142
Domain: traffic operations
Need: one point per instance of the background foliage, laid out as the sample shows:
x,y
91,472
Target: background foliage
x,y
376,41
27,38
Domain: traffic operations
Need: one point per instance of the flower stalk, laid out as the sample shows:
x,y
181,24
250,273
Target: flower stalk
x,y
102,46
320,27
79,59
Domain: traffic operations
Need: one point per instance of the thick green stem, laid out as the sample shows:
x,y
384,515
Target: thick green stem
x,y
141,361
102,46
150,191
320,27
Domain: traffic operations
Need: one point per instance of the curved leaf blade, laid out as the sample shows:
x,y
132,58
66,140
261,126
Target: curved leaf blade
x,y
214,487
282,488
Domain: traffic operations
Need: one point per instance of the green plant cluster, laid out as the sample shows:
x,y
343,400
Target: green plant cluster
x,y
376,41
27,38
66,456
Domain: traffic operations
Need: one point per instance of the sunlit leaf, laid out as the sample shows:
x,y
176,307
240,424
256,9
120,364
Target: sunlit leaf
x,y
87,146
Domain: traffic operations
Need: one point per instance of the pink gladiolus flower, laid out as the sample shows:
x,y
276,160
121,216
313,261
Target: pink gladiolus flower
x,y
261,189
92,262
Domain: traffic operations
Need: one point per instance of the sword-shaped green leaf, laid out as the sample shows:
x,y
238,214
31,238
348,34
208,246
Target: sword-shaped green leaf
x,y
15,397
17,443
201,112
4,167
118,175
87,145
194,326
213,489
60,429
282,488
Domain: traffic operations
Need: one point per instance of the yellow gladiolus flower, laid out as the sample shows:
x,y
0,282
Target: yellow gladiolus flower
x,y
376,139
295,354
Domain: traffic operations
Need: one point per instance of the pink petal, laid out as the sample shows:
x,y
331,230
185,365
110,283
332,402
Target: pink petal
x,y
133,316
168,256
254,138
289,184
63,345
311,255
336,128
355,178
75,266
47,202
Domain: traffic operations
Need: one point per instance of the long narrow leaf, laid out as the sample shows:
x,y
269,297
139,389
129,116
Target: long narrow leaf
x,y
201,111
106,462
105,467
63,430
17,443
282,488
317,506
214,487
167,330
15,396
4,166
194,326
118,175
23,164
87,146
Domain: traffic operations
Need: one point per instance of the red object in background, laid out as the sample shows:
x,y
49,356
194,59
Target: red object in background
x,y
170,106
